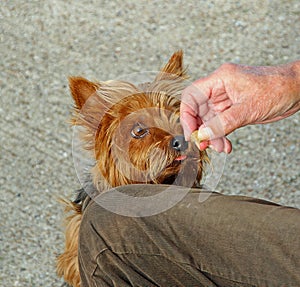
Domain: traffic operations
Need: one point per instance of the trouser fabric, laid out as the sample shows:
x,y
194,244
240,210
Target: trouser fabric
x,y
225,241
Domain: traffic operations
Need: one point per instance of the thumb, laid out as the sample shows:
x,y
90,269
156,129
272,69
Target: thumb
x,y
222,124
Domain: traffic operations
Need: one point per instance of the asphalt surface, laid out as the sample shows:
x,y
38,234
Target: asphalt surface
x,y
43,42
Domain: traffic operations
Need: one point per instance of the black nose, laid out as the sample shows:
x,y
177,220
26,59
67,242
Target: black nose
x,y
178,143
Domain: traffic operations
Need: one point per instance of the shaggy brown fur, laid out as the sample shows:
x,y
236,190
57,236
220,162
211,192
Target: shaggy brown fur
x,y
135,136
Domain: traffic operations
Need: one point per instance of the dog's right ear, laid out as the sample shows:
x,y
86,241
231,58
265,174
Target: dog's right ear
x,y
174,66
81,90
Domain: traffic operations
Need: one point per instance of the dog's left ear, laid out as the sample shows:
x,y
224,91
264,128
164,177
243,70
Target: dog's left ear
x,y
175,66
81,90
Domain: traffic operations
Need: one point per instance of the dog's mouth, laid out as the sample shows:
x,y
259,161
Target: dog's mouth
x,y
181,158
185,158
182,170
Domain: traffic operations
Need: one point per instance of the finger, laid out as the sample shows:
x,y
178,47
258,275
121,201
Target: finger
x,y
223,123
203,145
227,146
219,105
198,93
221,145
210,113
217,144
189,123
190,119
193,105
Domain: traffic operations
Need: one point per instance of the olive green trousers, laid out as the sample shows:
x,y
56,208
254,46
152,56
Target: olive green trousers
x,y
223,241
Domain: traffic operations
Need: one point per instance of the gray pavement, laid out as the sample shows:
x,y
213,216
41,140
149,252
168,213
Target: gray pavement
x,y
43,42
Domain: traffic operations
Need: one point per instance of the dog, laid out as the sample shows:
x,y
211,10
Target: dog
x,y
134,135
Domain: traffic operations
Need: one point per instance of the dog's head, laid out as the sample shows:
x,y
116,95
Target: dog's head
x,y
134,132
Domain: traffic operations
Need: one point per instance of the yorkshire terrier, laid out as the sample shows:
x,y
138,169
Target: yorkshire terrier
x,y
135,137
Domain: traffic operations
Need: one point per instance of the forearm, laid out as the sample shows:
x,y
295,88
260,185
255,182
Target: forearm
x,y
294,70
295,67
280,92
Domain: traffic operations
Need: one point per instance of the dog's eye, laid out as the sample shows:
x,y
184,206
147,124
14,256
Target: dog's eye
x,y
139,131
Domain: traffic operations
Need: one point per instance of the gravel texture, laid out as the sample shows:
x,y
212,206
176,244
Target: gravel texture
x,y
43,42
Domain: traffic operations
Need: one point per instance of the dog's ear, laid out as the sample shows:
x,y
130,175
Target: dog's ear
x,y
81,90
175,66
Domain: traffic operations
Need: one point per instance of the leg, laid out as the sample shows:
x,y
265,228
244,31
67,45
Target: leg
x,y
224,241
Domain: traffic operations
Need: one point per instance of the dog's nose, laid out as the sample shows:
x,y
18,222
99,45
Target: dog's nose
x,y
178,143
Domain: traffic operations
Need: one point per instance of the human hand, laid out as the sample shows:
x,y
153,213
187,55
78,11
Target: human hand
x,y
234,96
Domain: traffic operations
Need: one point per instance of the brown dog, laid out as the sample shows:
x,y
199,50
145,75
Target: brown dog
x,y
135,136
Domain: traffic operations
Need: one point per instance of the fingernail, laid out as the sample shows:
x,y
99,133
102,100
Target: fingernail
x,y
205,134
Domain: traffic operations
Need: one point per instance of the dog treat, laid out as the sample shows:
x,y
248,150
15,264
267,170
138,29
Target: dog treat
x,y
206,135
195,139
